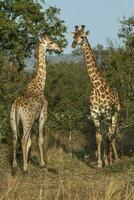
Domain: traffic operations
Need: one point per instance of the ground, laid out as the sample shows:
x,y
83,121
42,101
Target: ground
x,y
66,177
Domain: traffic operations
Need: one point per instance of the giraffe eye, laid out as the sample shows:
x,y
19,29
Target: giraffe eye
x,y
82,37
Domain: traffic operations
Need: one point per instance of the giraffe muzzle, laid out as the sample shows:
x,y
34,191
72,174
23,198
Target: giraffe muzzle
x,y
74,44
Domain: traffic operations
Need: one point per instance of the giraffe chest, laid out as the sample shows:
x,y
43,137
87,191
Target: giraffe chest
x,y
102,103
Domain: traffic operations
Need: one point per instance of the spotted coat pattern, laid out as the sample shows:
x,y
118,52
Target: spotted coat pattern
x,y
104,101
33,105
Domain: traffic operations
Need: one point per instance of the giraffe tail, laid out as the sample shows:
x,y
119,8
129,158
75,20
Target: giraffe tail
x,y
14,121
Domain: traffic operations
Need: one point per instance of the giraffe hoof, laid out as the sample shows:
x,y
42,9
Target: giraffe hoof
x,y
99,164
25,172
25,169
116,159
14,165
14,168
42,164
106,162
13,171
110,162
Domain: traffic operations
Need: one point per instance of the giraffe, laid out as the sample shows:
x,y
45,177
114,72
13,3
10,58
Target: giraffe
x,y
33,105
103,101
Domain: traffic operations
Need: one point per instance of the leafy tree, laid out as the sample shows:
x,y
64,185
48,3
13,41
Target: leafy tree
x,y
68,104
126,33
120,69
20,24
11,85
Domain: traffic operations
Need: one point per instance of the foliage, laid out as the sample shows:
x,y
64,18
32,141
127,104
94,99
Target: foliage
x,y
20,24
126,33
12,85
68,104
121,63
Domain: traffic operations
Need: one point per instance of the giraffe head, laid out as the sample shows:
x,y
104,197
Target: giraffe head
x,y
79,36
48,43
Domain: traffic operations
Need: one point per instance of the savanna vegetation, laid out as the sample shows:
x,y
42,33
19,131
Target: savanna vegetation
x,y
69,131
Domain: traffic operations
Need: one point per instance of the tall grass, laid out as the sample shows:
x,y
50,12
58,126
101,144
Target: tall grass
x,y
65,177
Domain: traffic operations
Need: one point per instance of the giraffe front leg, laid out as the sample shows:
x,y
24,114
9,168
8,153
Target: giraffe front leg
x,y
105,155
105,158
98,139
42,119
112,139
98,142
113,144
110,153
115,150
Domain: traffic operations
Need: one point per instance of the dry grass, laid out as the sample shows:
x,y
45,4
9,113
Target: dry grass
x,y
65,178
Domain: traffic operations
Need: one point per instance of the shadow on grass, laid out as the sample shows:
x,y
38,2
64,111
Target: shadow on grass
x,y
81,144
86,146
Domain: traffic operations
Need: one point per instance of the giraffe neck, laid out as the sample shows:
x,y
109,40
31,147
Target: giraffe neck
x,y
41,64
92,69
37,84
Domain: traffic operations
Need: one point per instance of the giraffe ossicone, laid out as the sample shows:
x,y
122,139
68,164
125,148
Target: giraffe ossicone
x,y
33,105
103,100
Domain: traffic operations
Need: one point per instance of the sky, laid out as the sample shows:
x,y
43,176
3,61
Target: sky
x,y
101,18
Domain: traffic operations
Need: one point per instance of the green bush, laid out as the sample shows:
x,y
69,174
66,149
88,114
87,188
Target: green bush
x,y
67,91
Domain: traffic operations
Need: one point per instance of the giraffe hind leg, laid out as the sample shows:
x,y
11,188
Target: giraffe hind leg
x,y
98,139
26,142
42,120
14,122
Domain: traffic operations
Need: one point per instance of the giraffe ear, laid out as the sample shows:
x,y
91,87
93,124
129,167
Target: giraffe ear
x,y
87,32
